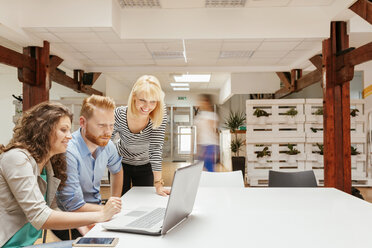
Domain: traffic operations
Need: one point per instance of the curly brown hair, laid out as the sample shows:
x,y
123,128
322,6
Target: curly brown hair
x,y
33,131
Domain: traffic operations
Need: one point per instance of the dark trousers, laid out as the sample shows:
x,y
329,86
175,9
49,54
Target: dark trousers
x,y
64,235
137,175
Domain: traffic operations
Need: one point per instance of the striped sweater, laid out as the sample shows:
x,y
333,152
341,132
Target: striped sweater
x,y
139,148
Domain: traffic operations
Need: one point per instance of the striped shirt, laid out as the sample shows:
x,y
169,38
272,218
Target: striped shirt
x,y
139,148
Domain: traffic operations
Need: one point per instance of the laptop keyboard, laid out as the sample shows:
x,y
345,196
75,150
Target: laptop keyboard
x,y
148,220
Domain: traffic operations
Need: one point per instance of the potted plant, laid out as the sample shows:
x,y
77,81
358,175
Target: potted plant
x,y
320,152
233,122
292,112
262,154
354,112
319,114
354,152
261,115
292,152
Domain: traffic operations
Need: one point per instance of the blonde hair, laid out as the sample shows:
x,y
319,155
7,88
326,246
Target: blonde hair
x,y
150,86
95,101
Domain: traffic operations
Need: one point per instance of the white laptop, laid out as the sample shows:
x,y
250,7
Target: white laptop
x,y
158,221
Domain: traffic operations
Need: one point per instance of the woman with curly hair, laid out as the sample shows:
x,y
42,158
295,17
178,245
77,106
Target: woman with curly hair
x,y
32,167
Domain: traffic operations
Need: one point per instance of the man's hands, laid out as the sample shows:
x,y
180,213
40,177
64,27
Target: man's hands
x,y
112,207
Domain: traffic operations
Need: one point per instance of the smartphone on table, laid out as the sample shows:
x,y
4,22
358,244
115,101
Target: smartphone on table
x,y
95,242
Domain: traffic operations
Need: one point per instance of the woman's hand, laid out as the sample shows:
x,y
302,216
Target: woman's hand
x,y
160,190
112,207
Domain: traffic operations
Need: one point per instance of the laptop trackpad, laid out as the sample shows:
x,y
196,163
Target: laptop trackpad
x,y
136,213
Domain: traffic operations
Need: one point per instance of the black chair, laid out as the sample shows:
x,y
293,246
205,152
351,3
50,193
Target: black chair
x,y
292,179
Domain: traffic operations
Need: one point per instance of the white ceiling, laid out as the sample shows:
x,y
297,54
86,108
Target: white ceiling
x,y
105,48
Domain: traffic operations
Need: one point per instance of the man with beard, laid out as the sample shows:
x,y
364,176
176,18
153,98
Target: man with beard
x,y
89,153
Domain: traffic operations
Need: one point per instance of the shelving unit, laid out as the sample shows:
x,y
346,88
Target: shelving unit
x,y
304,131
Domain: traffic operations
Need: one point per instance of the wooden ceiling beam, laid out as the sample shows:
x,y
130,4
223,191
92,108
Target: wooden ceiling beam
x,y
317,61
15,59
285,79
282,93
363,8
309,79
60,77
54,62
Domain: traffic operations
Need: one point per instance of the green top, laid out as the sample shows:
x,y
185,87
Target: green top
x,y
28,234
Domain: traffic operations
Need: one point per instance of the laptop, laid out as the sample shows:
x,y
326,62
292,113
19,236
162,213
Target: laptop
x,y
158,221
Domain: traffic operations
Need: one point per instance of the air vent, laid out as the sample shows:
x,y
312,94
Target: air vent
x,y
167,55
139,3
224,3
235,54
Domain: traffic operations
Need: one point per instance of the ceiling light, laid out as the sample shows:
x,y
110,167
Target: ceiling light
x,y
181,89
179,84
192,78
184,51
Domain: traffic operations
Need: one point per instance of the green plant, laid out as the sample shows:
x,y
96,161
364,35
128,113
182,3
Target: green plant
x,y
354,151
233,122
321,148
260,112
354,113
292,150
264,152
292,112
319,111
313,129
236,145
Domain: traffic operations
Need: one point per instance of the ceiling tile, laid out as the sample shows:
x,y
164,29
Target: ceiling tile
x,y
68,30
110,62
165,46
91,47
129,47
267,3
109,37
134,55
63,47
263,61
49,37
298,3
240,45
82,37
235,62
141,61
203,54
170,62
269,54
101,55
296,54
200,61
277,45
203,45
309,45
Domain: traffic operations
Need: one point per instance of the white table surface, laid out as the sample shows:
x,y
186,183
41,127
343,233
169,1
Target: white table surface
x,y
257,217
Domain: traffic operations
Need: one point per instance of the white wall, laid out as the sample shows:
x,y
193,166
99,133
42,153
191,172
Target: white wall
x,y
171,98
117,91
225,92
9,85
254,83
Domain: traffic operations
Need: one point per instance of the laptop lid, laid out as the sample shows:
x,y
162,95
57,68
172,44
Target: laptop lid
x,y
180,204
183,193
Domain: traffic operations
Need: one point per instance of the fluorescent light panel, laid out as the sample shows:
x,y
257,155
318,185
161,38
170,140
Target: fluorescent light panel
x,y
192,78
179,84
181,89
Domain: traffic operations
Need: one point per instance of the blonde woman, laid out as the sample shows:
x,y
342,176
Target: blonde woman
x,y
32,167
141,128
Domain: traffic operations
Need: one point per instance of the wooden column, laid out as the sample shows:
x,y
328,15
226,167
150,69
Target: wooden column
x,y
337,157
37,91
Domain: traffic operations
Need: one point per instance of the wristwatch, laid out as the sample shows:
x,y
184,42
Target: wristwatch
x,y
161,181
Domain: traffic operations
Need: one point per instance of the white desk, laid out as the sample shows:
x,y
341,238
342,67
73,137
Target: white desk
x,y
257,217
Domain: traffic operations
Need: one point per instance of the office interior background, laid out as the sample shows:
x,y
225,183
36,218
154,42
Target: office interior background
x,y
238,46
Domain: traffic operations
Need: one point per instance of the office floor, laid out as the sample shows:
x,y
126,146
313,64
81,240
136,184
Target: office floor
x,y
168,172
